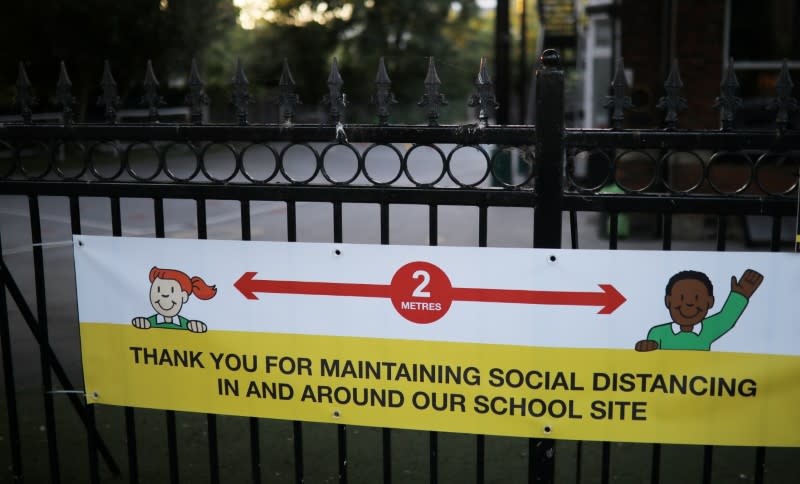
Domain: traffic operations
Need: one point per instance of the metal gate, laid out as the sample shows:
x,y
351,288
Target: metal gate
x,y
303,182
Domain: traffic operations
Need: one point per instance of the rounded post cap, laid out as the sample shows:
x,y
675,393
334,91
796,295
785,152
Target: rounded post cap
x,y
550,58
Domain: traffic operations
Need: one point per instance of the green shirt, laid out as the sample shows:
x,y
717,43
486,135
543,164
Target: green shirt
x,y
183,323
713,328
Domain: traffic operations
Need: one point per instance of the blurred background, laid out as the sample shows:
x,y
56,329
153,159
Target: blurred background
x,y
591,35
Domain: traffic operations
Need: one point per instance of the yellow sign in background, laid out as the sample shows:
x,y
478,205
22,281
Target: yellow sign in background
x,y
689,397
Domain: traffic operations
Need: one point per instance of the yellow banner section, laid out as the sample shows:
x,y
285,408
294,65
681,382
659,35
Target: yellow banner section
x,y
689,397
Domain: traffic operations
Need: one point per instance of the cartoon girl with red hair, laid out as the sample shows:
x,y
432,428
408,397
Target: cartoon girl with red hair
x,y
169,291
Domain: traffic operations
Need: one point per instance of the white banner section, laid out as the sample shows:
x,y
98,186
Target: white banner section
x,y
724,302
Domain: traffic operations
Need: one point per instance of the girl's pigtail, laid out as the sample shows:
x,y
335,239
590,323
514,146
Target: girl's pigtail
x,y
202,290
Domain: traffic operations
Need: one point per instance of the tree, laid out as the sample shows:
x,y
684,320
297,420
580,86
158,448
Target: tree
x,y
128,33
404,32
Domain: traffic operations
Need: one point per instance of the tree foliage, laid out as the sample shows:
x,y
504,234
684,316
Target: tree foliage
x,y
404,32
127,33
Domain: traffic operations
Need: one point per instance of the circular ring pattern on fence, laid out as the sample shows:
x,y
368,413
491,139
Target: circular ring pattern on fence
x,y
415,180
206,169
171,171
451,162
46,155
584,157
632,173
92,156
784,161
250,151
371,177
524,155
665,162
720,157
283,164
359,164
62,166
131,165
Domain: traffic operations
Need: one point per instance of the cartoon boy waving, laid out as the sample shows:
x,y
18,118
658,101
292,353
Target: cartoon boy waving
x,y
689,296
169,291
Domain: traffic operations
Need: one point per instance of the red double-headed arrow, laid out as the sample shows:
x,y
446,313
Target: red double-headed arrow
x,y
608,299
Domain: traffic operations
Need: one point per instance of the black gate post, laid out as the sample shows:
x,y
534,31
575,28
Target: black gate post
x,y
547,215
549,151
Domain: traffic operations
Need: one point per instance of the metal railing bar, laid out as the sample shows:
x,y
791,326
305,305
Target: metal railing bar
x,y
398,133
213,450
297,433
722,228
386,437
480,459
666,231
337,222
433,437
433,457
677,140
761,457
573,228
169,415
341,429
284,193
655,464
605,456
341,433
761,452
297,426
211,419
255,442
532,443
483,224
129,413
291,220
41,309
708,450
676,203
61,375
91,443
10,385
384,222
433,224
613,231
480,440
255,450
130,438
775,237
386,434
578,458
708,453
172,447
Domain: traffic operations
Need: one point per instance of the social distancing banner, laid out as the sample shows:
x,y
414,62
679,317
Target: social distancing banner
x,y
672,347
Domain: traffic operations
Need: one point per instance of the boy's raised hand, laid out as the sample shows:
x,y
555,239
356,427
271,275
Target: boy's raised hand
x,y
646,345
747,284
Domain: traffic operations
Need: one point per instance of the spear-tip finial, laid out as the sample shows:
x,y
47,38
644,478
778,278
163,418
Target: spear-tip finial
x,y
432,77
196,98
382,77
108,98
483,73
286,75
334,77
24,97
64,93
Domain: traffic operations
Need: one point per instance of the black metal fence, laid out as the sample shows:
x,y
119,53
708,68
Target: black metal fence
x,y
534,177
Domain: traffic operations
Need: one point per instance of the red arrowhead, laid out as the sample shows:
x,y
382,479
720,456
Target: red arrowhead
x,y
613,299
246,286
